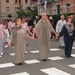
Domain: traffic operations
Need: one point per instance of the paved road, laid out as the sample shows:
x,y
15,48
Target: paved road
x,y
57,63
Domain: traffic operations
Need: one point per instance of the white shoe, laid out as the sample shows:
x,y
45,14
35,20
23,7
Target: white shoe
x,y
26,52
1,54
6,46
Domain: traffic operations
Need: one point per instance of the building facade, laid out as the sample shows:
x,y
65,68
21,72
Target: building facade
x,y
55,6
64,6
51,7
10,7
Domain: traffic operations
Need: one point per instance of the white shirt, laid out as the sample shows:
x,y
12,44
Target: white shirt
x,y
59,25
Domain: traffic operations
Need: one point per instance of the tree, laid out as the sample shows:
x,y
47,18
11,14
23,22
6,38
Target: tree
x,y
9,15
30,11
20,11
27,13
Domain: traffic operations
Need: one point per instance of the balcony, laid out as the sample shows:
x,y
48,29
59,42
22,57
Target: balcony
x,y
34,2
43,1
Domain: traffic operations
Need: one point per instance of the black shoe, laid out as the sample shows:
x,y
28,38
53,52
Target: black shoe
x,y
61,46
68,56
51,38
27,44
44,60
18,63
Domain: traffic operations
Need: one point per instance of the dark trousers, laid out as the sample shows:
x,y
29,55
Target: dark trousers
x,y
52,35
68,47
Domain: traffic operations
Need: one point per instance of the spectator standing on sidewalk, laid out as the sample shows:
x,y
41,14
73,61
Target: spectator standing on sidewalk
x,y
73,19
6,36
30,24
11,24
59,26
24,25
53,25
1,38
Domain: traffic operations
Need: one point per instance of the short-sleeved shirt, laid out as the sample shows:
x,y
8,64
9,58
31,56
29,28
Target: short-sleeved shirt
x,y
10,25
25,26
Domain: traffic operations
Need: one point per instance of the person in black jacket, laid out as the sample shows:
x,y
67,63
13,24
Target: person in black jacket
x,y
53,25
30,23
73,19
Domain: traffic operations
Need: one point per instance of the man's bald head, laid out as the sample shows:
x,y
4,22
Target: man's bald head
x,y
44,16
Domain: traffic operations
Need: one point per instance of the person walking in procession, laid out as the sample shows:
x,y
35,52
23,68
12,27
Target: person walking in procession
x,y
17,39
43,30
69,32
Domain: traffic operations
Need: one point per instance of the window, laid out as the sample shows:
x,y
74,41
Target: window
x,y
51,9
16,8
7,1
19,1
26,1
58,9
7,9
67,7
34,0
16,1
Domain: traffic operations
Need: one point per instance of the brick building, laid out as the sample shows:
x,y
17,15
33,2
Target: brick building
x,y
53,6
56,6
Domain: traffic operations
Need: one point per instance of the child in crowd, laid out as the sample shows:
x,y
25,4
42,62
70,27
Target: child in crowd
x,y
1,38
6,37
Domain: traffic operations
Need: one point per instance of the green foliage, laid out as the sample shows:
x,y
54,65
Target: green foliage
x,y
28,12
9,15
20,11
31,11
